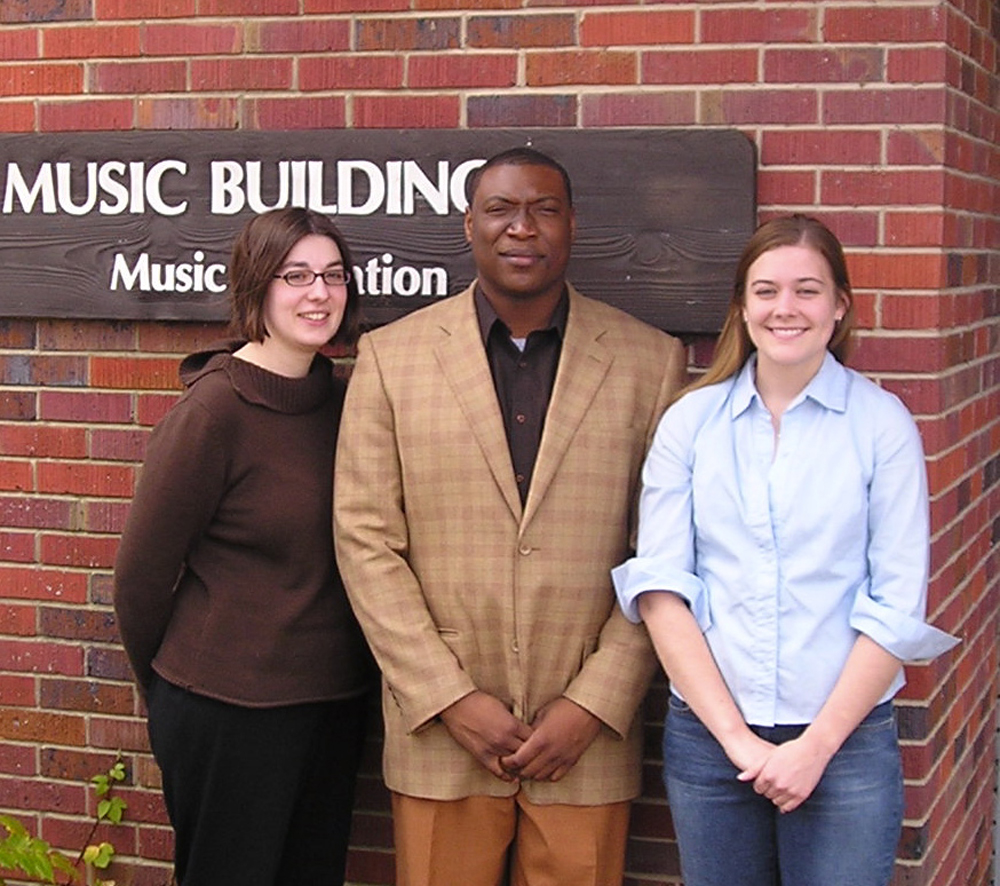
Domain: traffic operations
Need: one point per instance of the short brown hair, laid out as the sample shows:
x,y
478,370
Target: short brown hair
x,y
260,249
734,344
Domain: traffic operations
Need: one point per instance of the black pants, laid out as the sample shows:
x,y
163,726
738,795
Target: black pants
x,y
257,796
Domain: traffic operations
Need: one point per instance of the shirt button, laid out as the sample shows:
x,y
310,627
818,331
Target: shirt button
x,y
519,478
519,418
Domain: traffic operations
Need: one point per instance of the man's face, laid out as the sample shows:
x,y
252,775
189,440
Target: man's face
x,y
520,226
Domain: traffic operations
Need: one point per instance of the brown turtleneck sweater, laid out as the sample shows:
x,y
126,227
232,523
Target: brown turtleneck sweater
x,y
225,580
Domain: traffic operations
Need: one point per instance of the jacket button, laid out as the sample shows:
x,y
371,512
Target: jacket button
x,y
514,646
524,549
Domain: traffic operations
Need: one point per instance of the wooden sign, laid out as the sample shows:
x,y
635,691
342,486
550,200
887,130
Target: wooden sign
x,y
138,225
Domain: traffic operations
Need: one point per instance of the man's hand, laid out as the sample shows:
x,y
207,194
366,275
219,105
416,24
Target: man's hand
x,y
562,732
481,724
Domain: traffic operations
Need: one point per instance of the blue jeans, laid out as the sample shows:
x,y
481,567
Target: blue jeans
x,y
844,834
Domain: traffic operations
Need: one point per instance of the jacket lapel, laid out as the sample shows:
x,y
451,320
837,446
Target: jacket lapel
x,y
583,364
462,359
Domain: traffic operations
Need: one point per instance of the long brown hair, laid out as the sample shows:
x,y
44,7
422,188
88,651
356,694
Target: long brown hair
x,y
734,344
258,253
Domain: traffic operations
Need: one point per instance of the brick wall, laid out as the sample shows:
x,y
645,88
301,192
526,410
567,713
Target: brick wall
x,y
880,116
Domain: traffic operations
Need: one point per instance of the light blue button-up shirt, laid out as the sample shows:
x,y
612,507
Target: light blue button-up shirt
x,y
786,549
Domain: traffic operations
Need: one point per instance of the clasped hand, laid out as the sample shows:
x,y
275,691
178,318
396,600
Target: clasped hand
x,y
786,774
513,750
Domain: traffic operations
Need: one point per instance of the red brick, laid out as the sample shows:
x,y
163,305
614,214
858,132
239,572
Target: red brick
x,y
85,695
42,79
581,67
927,64
521,110
151,408
17,759
738,26
83,551
85,406
34,11
144,9
890,106
102,588
86,478
241,73
18,116
44,441
113,444
137,78
407,34
94,41
86,115
187,113
17,476
820,147
17,334
520,31
461,71
699,66
640,109
916,147
914,311
780,188
43,584
885,24
239,7
18,43
36,369
108,663
43,796
637,28
134,373
758,107
409,111
18,621
66,764
191,39
917,228
295,36
827,65
181,338
881,188
17,547
294,113
156,843
888,271
356,6
31,656
77,623
914,354
351,72
120,734
86,335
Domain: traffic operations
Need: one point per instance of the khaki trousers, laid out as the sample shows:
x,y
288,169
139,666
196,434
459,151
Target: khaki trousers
x,y
466,842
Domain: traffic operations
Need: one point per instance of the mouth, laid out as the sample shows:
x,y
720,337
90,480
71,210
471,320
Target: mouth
x,y
786,332
315,316
521,259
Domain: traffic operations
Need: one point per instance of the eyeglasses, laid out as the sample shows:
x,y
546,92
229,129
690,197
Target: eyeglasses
x,y
306,277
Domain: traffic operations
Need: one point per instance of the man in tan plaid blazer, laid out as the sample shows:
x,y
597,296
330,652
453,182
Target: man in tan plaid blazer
x,y
487,477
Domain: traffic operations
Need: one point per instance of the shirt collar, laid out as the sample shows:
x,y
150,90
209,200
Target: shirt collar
x,y
488,318
828,387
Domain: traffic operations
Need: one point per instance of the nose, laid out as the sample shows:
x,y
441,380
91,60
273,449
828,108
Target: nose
x,y
521,224
317,290
785,300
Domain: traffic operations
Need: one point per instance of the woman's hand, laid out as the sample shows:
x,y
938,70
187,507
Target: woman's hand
x,y
790,773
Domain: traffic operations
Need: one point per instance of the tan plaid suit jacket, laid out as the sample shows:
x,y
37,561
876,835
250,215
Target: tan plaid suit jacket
x,y
455,585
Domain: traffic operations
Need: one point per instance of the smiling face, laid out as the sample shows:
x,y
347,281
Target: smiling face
x,y
520,226
301,319
791,307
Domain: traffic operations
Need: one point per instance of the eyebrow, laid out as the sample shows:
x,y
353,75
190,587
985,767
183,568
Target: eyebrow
x,y
799,280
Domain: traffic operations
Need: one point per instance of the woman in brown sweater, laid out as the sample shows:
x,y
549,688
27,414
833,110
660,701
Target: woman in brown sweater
x,y
228,599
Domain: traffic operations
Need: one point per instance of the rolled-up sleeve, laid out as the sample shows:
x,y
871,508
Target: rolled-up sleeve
x,y
664,559
891,606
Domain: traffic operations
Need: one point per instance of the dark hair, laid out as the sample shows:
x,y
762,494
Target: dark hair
x,y
734,344
259,251
517,157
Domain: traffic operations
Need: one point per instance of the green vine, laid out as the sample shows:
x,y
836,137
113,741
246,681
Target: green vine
x,y
40,863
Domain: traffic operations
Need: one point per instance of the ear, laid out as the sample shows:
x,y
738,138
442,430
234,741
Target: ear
x,y
842,306
467,224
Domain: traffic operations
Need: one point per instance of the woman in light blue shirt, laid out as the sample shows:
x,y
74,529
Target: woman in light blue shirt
x,y
782,573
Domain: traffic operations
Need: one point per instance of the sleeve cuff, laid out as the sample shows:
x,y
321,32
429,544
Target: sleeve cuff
x,y
643,574
906,637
